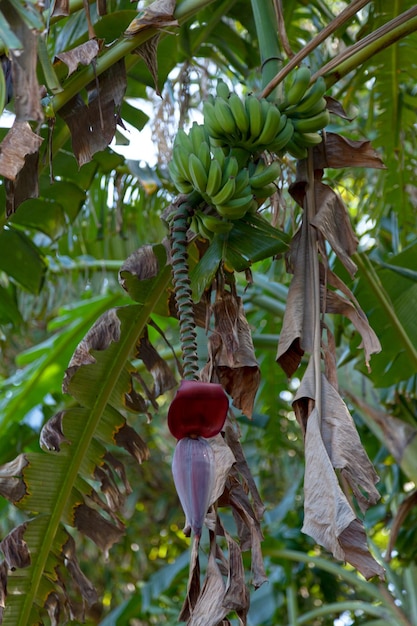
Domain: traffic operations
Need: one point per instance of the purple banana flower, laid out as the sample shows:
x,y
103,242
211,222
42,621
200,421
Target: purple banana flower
x,y
194,476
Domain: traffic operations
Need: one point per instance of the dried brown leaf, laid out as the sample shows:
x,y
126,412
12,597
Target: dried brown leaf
x,y
93,125
333,222
209,609
96,527
12,485
370,342
51,436
159,14
236,597
335,107
353,543
337,151
232,360
19,142
162,375
224,459
129,439
339,437
61,8
87,590
297,333
3,587
193,585
53,608
407,505
27,93
103,332
83,54
149,53
15,549
142,263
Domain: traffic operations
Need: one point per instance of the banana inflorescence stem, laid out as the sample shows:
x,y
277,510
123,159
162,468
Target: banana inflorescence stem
x,y
182,288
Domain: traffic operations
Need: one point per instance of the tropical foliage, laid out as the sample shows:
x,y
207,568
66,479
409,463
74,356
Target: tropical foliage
x,y
304,310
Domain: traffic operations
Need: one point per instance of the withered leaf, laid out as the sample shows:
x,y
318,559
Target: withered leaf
x,y
353,543
53,608
337,304
119,469
12,485
15,549
159,14
236,597
61,8
51,436
114,497
19,142
87,590
232,359
126,437
83,54
3,587
96,527
27,93
193,585
93,125
103,332
335,107
162,375
224,460
337,151
407,505
148,52
143,263
340,438
333,222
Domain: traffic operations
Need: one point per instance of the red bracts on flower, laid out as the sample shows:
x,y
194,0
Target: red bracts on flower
x,y
198,410
194,473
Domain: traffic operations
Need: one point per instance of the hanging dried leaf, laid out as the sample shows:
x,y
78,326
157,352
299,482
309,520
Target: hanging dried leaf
x,y
26,89
3,588
19,142
25,185
53,608
159,14
337,151
162,375
407,505
232,358
335,107
15,549
86,588
193,585
332,220
224,459
61,8
332,442
148,51
12,485
105,330
128,439
51,436
93,125
83,54
96,527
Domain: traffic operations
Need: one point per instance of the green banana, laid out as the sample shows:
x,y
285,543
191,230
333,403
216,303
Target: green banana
x,y
204,155
307,139
235,208
300,82
264,174
283,138
211,122
198,173
222,89
312,124
183,186
299,152
254,111
226,192
183,140
265,192
202,230
230,169
219,155
318,107
240,115
214,224
242,183
312,96
198,135
214,178
180,157
225,117
270,125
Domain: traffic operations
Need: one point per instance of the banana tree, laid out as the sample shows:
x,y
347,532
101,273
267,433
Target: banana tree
x,y
230,173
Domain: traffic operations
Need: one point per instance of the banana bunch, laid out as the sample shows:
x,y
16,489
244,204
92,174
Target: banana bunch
x,y
305,107
251,124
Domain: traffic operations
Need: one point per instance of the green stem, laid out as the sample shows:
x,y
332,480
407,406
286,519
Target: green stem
x,y
292,608
182,288
266,30
355,55
377,287
351,605
215,18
